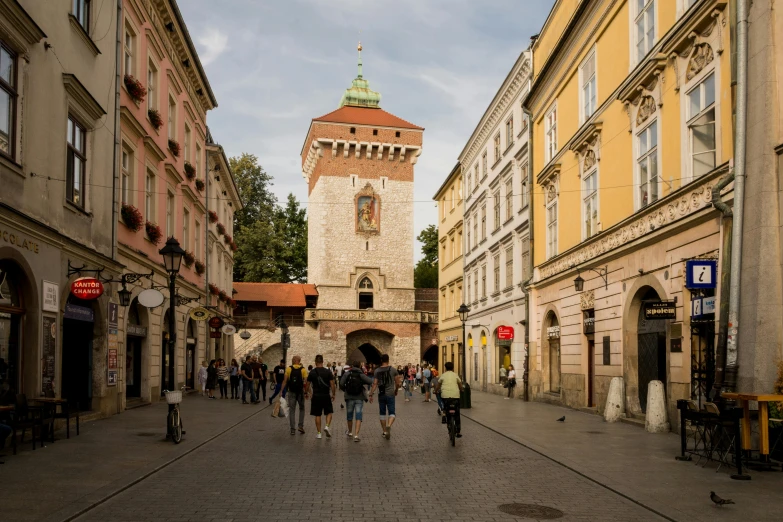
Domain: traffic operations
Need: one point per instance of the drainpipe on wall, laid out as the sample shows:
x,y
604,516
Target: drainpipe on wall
x,y
526,373
116,171
208,298
725,274
730,377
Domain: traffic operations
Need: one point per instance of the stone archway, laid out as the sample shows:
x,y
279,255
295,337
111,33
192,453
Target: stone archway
x,y
550,351
272,355
366,353
431,356
368,345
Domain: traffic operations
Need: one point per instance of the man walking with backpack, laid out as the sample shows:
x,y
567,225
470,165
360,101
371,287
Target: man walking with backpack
x,y
426,377
295,381
321,381
387,382
352,383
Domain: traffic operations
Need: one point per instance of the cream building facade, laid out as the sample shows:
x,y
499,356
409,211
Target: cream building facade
x,y
496,217
450,269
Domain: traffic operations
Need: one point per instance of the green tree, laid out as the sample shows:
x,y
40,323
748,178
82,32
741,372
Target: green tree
x,y
425,274
254,186
291,231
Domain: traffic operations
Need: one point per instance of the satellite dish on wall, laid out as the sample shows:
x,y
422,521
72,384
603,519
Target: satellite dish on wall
x,y
150,298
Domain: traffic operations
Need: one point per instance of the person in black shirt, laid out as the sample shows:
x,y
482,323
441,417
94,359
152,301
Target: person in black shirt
x,y
263,370
246,372
279,372
322,384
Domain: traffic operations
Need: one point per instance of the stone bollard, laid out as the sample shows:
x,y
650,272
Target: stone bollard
x,y
655,421
615,401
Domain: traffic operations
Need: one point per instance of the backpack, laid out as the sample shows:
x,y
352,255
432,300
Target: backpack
x,y
295,381
354,384
385,380
428,375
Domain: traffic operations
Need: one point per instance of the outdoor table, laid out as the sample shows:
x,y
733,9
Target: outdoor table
x,y
763,399
7,408
54,402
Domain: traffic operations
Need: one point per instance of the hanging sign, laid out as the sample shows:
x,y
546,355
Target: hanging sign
x,y
229,329
505,333
199,314
216,323
660,310
215,334
87,288
701,273
150,298
702,306
553,332
113,344
78,313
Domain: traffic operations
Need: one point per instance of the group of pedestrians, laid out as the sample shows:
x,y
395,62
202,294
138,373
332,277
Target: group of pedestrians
x,y
251,377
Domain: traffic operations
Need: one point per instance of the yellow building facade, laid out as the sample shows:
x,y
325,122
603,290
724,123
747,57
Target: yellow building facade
x,y
631,109
450,265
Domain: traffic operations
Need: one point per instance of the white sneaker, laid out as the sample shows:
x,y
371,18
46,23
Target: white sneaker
x,y
348,433
328,431
507,398
356,438
318,436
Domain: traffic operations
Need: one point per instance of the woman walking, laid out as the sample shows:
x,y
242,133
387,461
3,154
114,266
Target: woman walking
x,y
222,373
202,377
234,375
211,379
512,380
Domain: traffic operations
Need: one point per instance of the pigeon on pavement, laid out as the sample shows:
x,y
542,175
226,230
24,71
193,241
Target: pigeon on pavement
x,y
561,419
720,501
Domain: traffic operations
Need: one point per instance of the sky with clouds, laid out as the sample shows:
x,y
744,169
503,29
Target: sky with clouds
x,y
276,64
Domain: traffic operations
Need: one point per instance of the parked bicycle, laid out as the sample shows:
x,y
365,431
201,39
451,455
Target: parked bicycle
x,y
173,419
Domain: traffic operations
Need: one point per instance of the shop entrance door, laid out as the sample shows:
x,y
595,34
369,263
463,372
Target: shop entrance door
x,y
190,361
590,372
554,365
9,352
652,363
77,359
133,367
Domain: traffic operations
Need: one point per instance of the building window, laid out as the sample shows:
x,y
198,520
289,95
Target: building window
x,y
509,198
468,287
453,249
497,148
525,258
644,28
551,133
523,185
129,47
149,197
496,272
647,164
467,225
476,176
365,294
444,254
510,131
483,166
701,126
588,82
496,200
475,230
81,11
172,118
185,228
443,208
470,183
551,224
197,239
7,100
483,222
198,160
152,86
169,214
77,163
459,244
484,281
476,288
127,178
187,143
590,202
509,267
453,198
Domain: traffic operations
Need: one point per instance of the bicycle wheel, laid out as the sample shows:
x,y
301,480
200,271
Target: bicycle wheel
x,y
176,426
452,431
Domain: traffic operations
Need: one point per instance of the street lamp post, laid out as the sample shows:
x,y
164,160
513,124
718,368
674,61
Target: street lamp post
x,y
463,311
172,258
284,340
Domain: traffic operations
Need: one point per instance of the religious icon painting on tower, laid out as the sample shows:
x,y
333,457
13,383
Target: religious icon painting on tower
x,y
368,211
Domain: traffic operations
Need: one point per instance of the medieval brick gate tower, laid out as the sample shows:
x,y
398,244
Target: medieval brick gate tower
x,y
358,162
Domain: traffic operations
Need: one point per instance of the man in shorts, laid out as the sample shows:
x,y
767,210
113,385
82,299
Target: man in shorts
x,y
387,382
323,387
279,373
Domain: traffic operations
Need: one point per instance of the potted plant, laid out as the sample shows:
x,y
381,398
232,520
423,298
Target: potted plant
x,y
213,217
190,171
174,147
213,289
223,296
155,118
154,233
132,217
233,303
227,239
135,89
221,229
200,185
234,246
188,258
200,268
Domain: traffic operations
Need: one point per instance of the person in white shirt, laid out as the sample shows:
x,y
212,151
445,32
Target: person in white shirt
x,y
512,380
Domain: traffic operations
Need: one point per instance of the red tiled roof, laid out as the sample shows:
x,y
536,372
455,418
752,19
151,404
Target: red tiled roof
x,y
275,294
367,116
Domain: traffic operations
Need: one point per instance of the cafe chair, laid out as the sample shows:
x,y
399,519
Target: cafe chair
x,y
776,424
723,435
67,412
697,432
25,417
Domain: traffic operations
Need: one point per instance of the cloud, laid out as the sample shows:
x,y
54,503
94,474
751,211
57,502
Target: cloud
x,y
213,43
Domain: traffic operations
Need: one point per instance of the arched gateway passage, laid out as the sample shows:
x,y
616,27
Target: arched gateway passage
x,y
366,353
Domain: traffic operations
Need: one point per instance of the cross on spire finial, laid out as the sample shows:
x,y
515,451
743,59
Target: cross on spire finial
x,y
359,48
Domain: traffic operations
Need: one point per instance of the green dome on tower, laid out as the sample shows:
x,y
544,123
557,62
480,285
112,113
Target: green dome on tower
x,y
359,93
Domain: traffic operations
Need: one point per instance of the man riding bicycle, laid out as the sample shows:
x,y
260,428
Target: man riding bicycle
x,y
449,387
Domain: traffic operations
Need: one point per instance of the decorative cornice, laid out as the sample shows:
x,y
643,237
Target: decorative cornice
x,y
384,316
362,150
82,97
129,122
684,202
643,79
83,35
21,22
153,148
173,174
548,174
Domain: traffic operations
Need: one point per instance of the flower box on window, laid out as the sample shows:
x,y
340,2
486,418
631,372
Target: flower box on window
x,y
213,217
200,185
174,147
154,233
234,246
190,171
132,217
135,89
221,229
213,289
188,258
155,118
227,239
222,295
200,268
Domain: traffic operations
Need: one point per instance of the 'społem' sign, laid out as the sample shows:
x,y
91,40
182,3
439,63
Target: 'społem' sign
x,y
660,310
87,288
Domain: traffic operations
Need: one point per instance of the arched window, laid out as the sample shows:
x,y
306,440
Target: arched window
x,y
365,294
